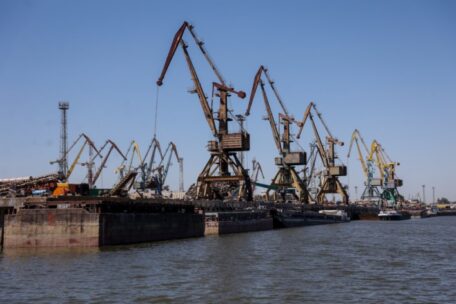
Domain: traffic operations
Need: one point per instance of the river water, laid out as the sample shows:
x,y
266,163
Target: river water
x,y
359,262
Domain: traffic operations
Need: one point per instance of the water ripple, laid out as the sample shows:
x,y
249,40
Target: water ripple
x,y
361,262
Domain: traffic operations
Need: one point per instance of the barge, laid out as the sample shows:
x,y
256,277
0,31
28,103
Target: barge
x,y
298,218
226,222
96,222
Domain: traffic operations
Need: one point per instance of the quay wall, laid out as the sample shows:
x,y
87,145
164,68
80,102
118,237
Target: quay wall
x,y
76,227
51,228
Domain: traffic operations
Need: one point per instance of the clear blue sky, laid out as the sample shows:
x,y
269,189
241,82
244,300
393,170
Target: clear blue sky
x,y
385,67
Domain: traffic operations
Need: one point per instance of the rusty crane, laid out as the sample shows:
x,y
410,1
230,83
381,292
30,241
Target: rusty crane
x,y
330,182
223,174
286,179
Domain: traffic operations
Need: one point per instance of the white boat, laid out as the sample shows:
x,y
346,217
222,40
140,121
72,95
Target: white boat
x,y
336,213
392,215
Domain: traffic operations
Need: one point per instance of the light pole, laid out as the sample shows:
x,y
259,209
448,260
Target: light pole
x,y
424,194
356,192
433,195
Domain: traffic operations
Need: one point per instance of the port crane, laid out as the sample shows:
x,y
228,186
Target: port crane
x,y
330,182
158,180
387,169
286,179
310,175
223,174
371,191
63,187
112,146
256,170
149,168
127,162
87,142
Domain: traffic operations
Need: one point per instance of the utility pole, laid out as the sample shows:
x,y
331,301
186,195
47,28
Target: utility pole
x,y
181,174
424,194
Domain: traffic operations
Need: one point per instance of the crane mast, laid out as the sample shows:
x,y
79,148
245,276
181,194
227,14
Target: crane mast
x,y
223,174
286,180
330,182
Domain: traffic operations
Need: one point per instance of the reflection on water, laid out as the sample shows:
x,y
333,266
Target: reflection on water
x,y
361,262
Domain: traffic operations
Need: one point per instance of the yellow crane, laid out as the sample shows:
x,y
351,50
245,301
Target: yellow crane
x,y
63,188
371,191
132,151
387,169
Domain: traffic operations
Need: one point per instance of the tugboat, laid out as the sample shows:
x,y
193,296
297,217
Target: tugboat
x,y
393,215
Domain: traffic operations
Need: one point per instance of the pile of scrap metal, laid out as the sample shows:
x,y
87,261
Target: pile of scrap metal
x,y
25,186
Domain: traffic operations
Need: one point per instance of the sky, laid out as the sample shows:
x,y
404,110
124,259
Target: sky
x,y
387,68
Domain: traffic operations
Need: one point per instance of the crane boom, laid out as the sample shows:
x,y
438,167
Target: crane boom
x,y
172,150
205,53
258,81
199,90
320,147
356,137
105,159
303,122
78,156
174,45
274,89
154,147
309,108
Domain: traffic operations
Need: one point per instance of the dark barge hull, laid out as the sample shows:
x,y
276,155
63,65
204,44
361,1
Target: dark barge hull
x,y
396,217
300,219
81,223
218,223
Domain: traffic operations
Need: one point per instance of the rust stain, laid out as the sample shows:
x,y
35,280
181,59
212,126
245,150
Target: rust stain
x,y
51,218
74,241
